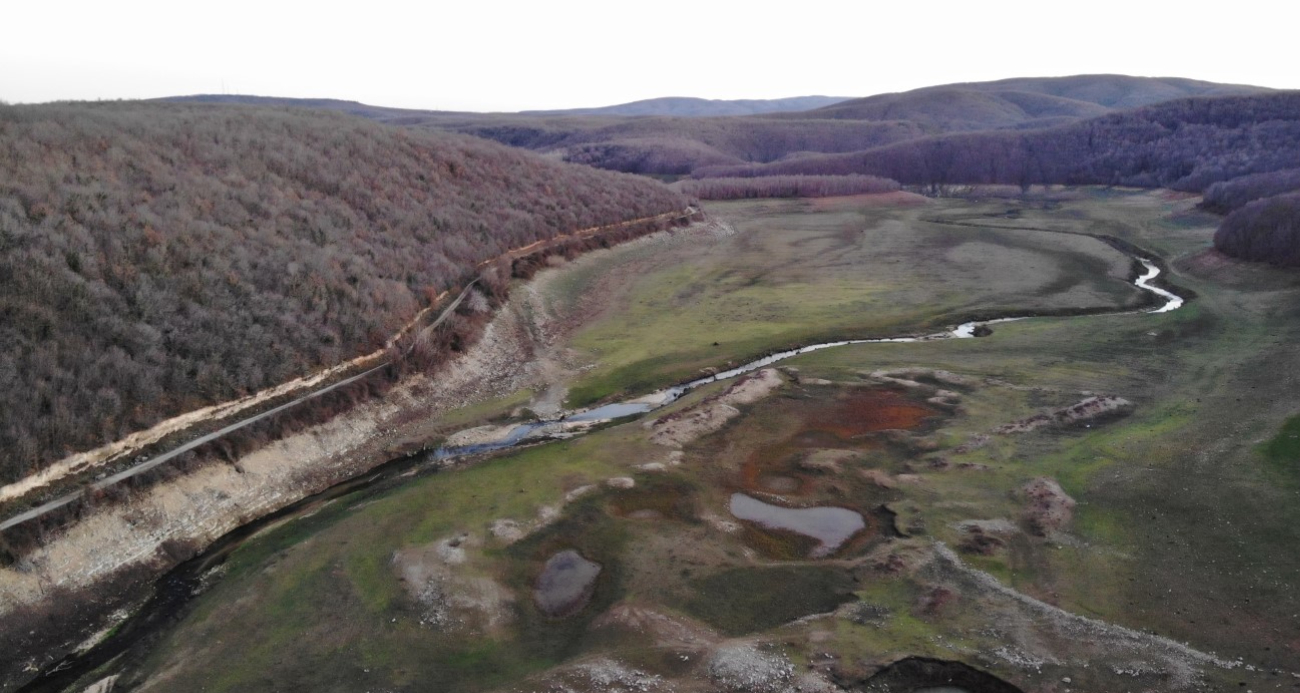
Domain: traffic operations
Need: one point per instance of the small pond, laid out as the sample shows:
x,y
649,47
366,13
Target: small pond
x,y
830,526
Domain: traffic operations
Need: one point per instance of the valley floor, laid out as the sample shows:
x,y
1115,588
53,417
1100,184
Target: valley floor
x,y
1078,502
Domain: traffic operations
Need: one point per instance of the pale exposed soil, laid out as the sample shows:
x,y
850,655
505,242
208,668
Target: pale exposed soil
x,y
448,596
682,427
1037,635
103,686
666,630
1085,412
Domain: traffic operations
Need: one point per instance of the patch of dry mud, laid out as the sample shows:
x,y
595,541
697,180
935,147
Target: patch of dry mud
x,y
666,631
690,424
447,596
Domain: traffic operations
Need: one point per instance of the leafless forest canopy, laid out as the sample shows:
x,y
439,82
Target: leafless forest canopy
x,y
1226,196
1187,145
158,257
1266,230
785,186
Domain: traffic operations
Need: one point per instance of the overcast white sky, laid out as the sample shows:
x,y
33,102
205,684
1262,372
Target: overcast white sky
x,y
505,55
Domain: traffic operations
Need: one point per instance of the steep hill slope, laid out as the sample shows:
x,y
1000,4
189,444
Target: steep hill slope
x,y
157,257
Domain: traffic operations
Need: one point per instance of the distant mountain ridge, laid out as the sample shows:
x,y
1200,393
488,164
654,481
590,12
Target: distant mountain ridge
x,y
677,106
679,144
691,107
1024,102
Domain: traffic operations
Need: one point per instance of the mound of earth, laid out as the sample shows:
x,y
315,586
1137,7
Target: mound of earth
x,y
1092,409
1048,509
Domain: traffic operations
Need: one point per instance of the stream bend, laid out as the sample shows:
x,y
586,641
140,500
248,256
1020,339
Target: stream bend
x,y
574,422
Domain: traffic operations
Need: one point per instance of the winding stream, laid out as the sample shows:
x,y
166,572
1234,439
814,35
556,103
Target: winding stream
x,y
577,421
177,588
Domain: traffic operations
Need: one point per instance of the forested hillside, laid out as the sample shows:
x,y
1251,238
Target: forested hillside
x,y
1229,195
1186,144
158,257
683,145
785,186
1266,230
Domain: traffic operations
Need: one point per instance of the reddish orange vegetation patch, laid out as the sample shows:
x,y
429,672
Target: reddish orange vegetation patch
x,y
868,410
1218,267
772,463
847,420
1206,260
900,197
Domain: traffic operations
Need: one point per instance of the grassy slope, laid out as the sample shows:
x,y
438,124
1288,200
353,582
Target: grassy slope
x,y
1184,529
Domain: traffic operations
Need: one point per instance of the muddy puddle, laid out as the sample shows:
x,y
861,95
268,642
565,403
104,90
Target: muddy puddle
x,y
566,584
829,526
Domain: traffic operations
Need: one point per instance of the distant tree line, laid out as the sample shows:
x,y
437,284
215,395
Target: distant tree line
x,y
1225,196
785,186
1187,144
1265,230
155,258
678,146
